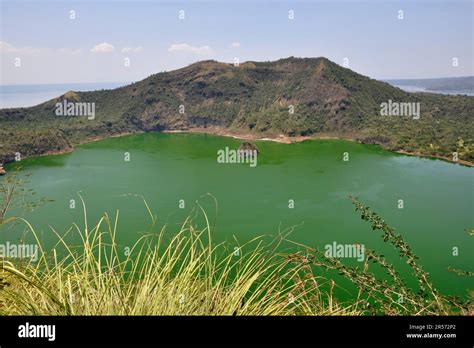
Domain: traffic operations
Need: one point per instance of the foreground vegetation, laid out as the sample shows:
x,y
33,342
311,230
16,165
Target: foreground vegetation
x,y
185,273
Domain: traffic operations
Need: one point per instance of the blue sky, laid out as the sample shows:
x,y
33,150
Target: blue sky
x,y
94,46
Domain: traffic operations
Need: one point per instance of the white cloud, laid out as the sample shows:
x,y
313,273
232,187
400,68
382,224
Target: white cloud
x,y
132,49
102,48
6,48
235,44
186,48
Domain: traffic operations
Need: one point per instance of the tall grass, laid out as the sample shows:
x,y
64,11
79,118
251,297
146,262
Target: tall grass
x,y
183,274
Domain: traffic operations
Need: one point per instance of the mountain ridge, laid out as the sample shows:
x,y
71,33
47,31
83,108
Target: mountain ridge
x,y
291,96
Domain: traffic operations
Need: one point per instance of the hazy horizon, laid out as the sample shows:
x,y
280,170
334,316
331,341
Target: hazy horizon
x,y
58,42
144,77
27,95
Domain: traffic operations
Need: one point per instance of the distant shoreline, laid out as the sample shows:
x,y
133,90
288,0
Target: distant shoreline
x,y
284,139
220,131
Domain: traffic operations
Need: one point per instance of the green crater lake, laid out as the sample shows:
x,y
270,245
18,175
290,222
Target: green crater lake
x,y
166,168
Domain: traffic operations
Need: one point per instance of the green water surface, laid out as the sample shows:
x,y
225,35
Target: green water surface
x,y
166,168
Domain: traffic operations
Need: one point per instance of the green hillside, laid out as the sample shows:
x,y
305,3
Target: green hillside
x,y
254,97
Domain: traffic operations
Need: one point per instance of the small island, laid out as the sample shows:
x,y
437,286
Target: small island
x,y
248,148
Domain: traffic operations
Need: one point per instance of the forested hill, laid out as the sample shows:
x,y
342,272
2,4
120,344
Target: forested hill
x,y
292,96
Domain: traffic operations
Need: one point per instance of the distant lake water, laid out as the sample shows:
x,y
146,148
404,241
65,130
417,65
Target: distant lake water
x,y
12,96
422,89
245,202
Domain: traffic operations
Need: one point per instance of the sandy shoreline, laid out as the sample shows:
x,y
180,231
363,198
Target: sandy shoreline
x,y
280,138
284,139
